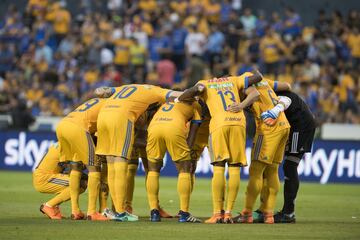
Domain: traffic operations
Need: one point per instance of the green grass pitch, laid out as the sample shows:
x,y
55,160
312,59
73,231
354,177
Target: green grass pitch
x,y
323,212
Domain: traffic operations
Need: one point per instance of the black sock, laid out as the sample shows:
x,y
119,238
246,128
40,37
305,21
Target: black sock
x,y
291,186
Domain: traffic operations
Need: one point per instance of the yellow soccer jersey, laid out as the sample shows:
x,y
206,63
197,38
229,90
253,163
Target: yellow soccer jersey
x,y
219,94
49,163
267,100
177,114
132,100
86,114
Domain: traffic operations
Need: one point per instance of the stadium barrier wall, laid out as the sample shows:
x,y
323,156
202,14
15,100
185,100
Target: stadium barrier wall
x,y
329,162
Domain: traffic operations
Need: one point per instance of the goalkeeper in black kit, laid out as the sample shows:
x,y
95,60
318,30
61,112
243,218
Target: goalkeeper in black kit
x,y
300,141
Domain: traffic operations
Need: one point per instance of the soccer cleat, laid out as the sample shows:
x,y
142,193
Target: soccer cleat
x,y
108,213
228,218
164,214
51,212
77,216
258,216
187,217
133,216
216,218
268,217
281,217
97,217
125,217
58,211
244,217
155,215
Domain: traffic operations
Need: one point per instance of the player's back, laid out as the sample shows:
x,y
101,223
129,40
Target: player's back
x,y
132,100
86,114
267,100
177,114
221,93
298,113
49,162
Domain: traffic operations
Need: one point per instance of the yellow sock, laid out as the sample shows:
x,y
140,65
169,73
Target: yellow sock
x,y
233,187
63,196
192,181
152,188
264,195
130,180
184,190
93,191
218,188
111,180
255,184
120,185
75,177
103,196
273,185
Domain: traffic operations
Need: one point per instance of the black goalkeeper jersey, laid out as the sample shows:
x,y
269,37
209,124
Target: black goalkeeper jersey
x,y
298,114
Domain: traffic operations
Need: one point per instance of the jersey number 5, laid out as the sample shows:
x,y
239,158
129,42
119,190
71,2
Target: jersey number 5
x,y
168,107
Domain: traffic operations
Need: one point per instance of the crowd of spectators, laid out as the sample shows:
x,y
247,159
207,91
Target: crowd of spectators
x,y
51,60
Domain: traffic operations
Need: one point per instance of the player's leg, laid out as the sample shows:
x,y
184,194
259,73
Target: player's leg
x,y
144,160
52,183
269,191
132,169
74,183
152,188
236,137
155,149
104,188
94,180
184,190
255,179
272,186
219,154
299,143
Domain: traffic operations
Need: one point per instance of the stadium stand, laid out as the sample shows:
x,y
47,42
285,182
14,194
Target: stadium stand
x,y
52,58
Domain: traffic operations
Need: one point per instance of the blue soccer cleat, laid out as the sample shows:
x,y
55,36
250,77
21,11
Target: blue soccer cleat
x,y
187,217
155,215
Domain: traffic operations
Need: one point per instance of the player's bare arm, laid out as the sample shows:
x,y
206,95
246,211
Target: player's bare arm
x,y
194,126
252,95
192,92
283,86
255,78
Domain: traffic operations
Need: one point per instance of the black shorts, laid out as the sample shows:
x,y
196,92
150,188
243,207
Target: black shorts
x,y
300,141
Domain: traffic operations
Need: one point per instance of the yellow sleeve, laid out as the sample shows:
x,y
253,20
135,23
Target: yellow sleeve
x,y
162,93
197,113
242,81
272,84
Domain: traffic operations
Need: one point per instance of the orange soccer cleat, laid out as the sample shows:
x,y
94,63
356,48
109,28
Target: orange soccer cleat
x,y
216,218
58,212
51,212
268,217
77,216
164,214
228,218
97,217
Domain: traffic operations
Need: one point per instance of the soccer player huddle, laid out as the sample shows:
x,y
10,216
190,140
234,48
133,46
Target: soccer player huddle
x,y
101,141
